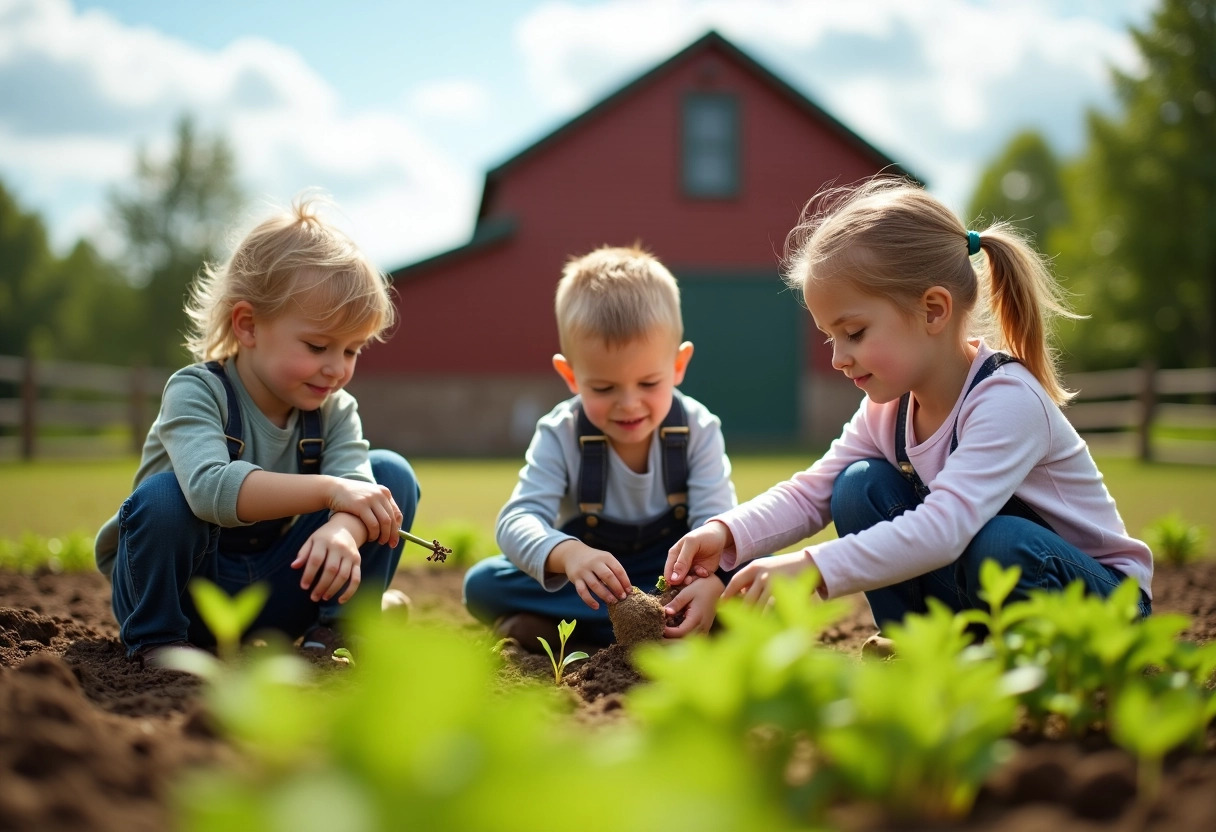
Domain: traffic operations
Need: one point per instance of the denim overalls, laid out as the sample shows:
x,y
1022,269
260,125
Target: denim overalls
x,y
163,545
871,491
495,587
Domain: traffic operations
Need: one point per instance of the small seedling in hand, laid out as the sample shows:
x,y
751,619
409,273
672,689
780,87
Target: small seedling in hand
x,y
345,655
439,552
564,629
661,584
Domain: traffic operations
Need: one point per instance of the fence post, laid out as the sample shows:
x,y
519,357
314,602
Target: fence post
x,y
1148,406
29,407
139,425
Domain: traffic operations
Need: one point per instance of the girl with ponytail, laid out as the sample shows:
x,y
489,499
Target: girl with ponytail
x,y
959,451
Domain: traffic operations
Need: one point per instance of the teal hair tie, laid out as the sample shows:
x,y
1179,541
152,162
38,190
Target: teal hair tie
x,y
973,242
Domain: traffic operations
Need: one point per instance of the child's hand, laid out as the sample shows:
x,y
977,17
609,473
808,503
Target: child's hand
x,y
698,552
753,582
330,557
699,600
593,572
373,504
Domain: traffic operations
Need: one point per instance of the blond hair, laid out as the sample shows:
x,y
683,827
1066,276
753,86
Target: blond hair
x,y
890,238
294,260
616,295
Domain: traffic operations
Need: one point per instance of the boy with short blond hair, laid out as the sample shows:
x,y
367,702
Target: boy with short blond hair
x,y
614,475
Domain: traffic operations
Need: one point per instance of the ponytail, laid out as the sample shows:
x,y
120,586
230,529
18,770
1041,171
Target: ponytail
x,y
1023,299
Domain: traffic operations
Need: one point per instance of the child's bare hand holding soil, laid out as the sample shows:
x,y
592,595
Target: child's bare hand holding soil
x,y
594,572
691,608
698,553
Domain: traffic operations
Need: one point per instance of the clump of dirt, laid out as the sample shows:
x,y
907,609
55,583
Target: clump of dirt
x,y
637,618
608,672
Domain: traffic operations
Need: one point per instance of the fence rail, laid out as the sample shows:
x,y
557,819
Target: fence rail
x,y
63,407
75,402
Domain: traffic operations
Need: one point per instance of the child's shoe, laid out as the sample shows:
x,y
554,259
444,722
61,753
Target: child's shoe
x,y
878,647
526,628
396,602
158,655
322,640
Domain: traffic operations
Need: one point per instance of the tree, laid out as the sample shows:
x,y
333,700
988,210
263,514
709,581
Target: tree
x,y
174,219
96,314
26,293
1023,186
1143,243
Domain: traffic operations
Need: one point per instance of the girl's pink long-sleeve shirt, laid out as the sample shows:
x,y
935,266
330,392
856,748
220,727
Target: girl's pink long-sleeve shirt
x,y
1012,439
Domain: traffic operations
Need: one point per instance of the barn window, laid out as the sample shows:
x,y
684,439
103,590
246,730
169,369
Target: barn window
x,y
711,145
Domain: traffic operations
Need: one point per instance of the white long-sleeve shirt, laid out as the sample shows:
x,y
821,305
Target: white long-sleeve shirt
x,y
1012,439
546,496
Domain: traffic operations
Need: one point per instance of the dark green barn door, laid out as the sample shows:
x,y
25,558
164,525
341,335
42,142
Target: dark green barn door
x,y
748,337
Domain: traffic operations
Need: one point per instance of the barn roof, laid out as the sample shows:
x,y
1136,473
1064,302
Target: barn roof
x,y
489,230
710,40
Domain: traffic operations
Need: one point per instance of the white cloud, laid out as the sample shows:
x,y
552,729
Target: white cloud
x,y
938,84
450,99
81,91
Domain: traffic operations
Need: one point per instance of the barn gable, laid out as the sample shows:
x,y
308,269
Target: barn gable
x,y
706,160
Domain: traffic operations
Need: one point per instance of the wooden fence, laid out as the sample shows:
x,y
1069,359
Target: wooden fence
x,y
65,408
70,409
1162,415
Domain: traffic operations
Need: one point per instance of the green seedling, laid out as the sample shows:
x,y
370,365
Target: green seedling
x,y
661,584
1150,725
1174,540
345,654
564,629
227,617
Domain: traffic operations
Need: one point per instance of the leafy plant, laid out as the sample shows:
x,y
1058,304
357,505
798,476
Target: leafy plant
x,y
1151,724
1174,540
564,629
227,617
426,737
31,552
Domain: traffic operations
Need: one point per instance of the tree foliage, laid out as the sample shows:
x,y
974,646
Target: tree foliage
x,y
1131,223
174,219
26,292
1023,186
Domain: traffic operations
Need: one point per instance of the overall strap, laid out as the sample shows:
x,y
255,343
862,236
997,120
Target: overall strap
x,y
593,451
312,442
990,365
673,435
593,469
1016,506
309,447
234,431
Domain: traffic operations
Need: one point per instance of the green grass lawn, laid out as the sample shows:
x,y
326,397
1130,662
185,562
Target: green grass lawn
x,y
58,498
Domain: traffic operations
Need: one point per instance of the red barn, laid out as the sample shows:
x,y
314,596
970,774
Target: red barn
x,y
706,160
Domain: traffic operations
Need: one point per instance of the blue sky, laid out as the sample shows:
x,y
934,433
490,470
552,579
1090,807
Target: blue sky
x,y
398,109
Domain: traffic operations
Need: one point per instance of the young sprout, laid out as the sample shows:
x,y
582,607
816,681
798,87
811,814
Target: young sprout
x,y
564,629
661,584
345,654
439,552
228,616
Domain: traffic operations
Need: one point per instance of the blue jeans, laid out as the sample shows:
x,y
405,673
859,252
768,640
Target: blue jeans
x,y
872,491
162,545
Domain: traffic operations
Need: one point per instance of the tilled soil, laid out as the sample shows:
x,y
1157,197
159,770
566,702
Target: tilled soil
x,y
89,740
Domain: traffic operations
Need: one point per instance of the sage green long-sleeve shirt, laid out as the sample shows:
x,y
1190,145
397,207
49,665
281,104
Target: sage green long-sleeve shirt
x,y
187,438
